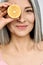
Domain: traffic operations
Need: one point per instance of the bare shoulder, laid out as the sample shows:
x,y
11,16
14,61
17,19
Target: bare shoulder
x,y
3,49
0,47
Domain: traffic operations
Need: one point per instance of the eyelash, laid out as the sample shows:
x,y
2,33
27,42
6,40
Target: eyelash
x,y
29,11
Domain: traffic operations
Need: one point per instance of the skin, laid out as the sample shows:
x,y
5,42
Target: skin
x,y
22,35
22,50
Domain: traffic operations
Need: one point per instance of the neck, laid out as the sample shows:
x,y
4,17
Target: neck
x,y
21,43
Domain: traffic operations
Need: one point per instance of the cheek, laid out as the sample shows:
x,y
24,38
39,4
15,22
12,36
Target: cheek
x,y
30,17
10,26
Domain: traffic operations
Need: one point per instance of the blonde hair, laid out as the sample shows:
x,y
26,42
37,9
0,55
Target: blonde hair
x,y
4,36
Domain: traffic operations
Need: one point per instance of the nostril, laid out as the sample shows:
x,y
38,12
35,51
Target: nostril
x,y
20,20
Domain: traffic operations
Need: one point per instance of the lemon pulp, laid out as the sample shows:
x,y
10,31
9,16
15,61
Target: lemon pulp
x,y
14,11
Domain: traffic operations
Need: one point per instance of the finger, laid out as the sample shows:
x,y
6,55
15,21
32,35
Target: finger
x,y
5,4
8,20
1,23
3,9
4,22
0,13
3,13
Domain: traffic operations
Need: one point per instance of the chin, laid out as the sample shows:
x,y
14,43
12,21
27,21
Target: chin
x,y
20,34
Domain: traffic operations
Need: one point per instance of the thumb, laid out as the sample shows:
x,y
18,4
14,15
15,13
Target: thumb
x,y
4,22
8,20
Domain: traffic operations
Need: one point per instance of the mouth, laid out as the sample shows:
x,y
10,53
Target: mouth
x,y
21,27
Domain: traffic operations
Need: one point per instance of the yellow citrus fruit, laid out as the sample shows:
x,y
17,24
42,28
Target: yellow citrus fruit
x,y
14,11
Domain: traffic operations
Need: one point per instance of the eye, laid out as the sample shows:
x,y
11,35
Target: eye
x,y
29,11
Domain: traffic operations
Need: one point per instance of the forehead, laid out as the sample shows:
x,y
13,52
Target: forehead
x,y
20,2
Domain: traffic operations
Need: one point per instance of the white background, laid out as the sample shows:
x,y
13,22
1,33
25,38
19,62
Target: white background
x,y
41,9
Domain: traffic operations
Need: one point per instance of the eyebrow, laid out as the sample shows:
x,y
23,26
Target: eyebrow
x,y
28,7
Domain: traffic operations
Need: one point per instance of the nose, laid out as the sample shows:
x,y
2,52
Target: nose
x,y
21,18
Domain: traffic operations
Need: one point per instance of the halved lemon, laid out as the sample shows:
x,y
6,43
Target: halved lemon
x,y
14,11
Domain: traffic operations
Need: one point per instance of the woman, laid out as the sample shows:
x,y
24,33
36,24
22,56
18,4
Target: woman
x,y
17,44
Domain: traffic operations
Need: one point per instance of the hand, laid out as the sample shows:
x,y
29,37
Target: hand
x,y
3,11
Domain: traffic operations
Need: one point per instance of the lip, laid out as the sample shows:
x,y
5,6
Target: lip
x,y
21,27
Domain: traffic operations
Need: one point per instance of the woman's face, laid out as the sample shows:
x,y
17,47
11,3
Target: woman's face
x,y
24,24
